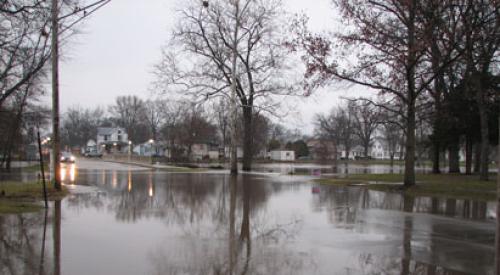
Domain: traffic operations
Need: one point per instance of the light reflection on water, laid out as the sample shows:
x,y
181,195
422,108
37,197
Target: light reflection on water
x,y
212,224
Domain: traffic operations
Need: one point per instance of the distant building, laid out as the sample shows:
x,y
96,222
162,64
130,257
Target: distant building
x,y
323,150
148,149
380,150
112,140
282,155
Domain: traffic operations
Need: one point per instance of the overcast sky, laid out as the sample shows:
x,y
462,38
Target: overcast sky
x,y
120,44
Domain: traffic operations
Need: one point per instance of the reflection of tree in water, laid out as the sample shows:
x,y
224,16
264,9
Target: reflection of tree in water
x,y
22,247
344,203
239,244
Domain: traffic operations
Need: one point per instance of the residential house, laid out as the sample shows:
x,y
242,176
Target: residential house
x,y
380,150
282,155
112,140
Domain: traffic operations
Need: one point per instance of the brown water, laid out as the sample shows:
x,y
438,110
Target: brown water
x,y
145,222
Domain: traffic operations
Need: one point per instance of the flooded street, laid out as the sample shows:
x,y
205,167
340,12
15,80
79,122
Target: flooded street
x,y
137,221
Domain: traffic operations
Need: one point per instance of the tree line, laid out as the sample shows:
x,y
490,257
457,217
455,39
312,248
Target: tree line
x,y
176,125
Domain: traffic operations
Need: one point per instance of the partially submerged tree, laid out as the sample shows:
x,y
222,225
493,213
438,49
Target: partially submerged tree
x,y
198,61
384,49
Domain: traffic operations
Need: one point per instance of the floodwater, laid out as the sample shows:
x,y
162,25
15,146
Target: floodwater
x,y
121,221
333,169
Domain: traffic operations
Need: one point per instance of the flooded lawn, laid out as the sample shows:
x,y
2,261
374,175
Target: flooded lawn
x,y
144,222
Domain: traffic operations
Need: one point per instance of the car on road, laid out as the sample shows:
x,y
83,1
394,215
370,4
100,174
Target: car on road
x,y
67,157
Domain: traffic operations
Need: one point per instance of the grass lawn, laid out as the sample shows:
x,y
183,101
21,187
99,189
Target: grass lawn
x,y
20,197
443,185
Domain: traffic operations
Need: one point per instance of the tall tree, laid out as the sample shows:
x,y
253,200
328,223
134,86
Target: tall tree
x,y
202,65
383,49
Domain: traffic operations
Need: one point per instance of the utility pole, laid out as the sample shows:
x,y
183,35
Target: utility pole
x,y
234,115
56,150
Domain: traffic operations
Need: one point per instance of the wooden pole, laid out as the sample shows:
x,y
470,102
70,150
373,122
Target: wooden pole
x,y
56,150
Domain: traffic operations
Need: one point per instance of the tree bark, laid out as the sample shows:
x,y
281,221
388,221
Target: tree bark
x,y
468,155
435,156
483,117
247,138
409,177
454,156
477,158
497,240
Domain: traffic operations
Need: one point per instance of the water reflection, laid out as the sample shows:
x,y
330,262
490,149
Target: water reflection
x,y
68,173
167,223
25,243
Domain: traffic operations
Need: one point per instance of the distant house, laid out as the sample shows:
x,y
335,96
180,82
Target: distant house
x,y
320,149
239,152
355,152
112,140
282,155
148,149
201,151
380,150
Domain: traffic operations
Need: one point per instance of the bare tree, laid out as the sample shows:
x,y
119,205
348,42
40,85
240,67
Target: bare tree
x,y
79,125
203,67
155,111
366,120
129,112
384,49
338,126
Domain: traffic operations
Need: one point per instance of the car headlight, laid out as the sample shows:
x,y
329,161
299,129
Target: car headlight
x,y
62,158
72,158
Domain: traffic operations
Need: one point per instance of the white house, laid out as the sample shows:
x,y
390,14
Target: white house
x,y
112,139
354,152
282,155
380,150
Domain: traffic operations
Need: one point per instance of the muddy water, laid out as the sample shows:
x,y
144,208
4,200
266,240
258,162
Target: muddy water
x,y
144,222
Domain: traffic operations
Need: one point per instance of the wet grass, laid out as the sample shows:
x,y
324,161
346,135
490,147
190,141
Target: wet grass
x,y
442,185
21,197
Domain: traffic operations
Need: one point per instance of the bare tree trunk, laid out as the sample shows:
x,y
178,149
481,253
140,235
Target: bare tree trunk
x,y
477,158
453,156
435,157
483,118
468,155
409,177
247,138
497,240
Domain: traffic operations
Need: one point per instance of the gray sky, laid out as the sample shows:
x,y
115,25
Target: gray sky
x,y
120,44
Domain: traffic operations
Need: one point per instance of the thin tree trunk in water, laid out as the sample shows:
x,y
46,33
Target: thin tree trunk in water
x,y
468,155
477,158
453,156
247,138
